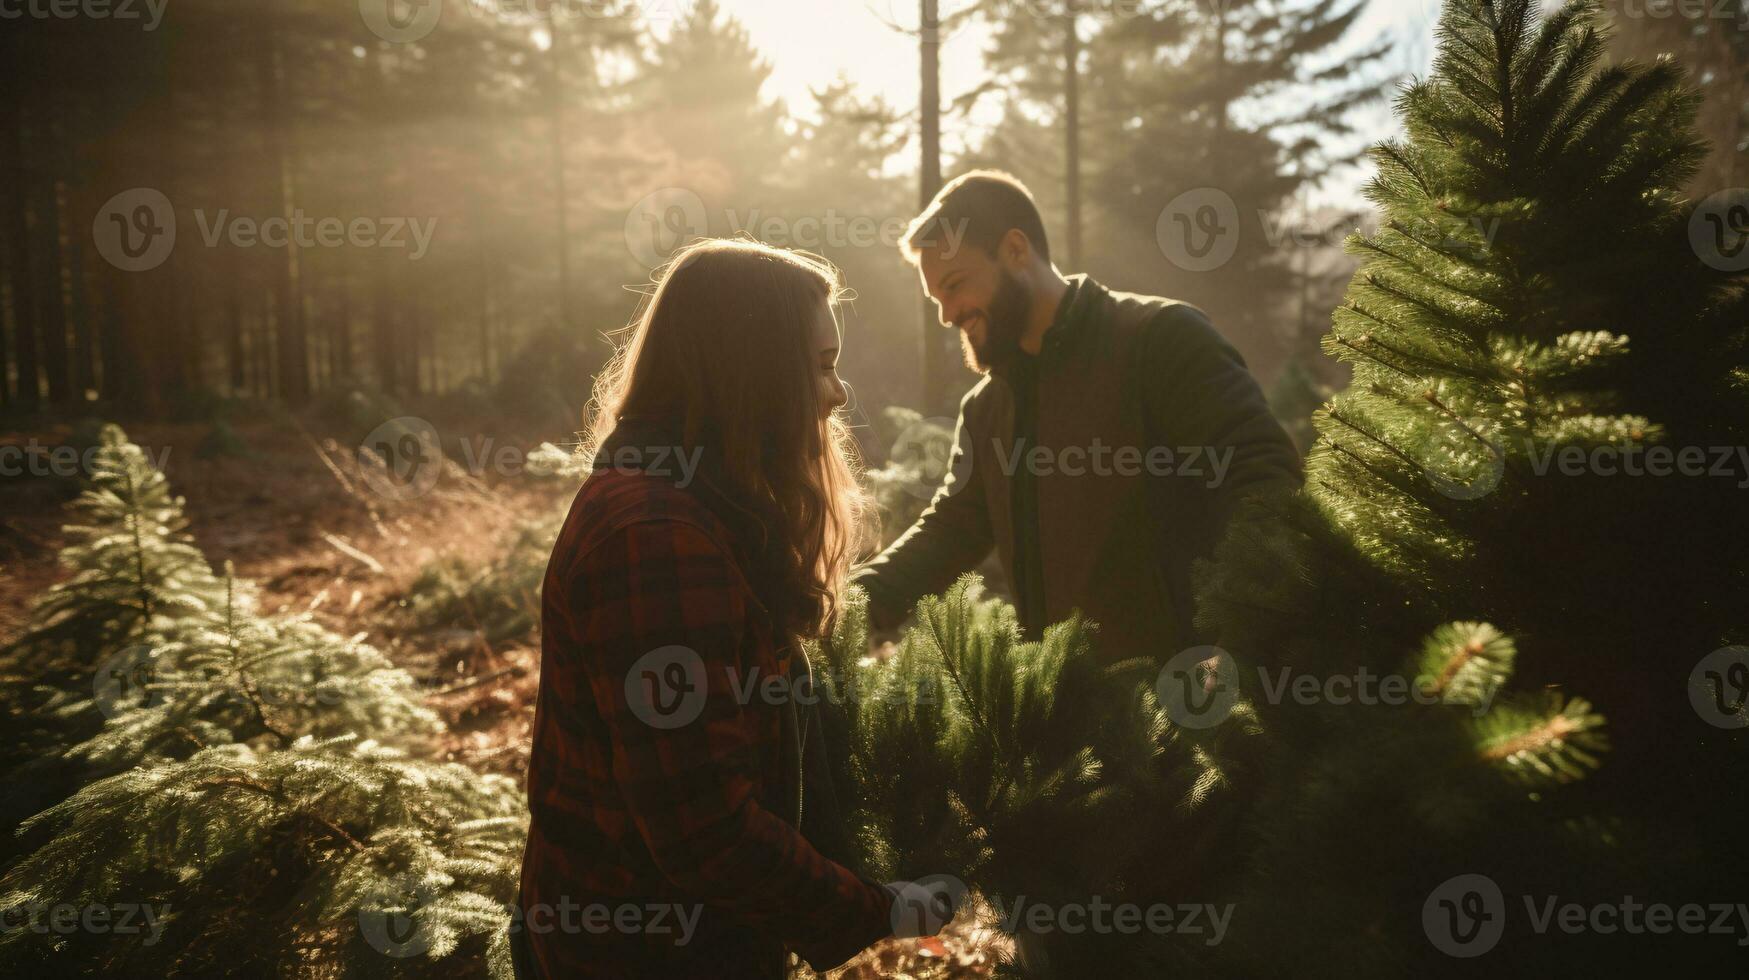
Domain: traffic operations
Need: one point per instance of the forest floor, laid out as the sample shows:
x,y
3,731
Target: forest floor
x,y
287,508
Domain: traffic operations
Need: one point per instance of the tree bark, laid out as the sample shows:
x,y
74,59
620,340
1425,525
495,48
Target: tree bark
x,y
1072,129
24,304
935,365
292,347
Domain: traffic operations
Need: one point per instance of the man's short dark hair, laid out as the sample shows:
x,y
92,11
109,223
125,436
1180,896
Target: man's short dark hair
x,y
976,208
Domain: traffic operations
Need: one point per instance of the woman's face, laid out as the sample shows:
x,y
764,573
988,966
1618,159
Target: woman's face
x,y
833,395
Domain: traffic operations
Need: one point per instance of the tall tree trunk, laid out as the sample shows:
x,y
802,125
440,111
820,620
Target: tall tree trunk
x,y
234,353
342,348
51,292
935,353
414,339
262,348
384,328
1222,102
79,290
486,331
1072,128
24,303
561,193
482,283
385,321
292,347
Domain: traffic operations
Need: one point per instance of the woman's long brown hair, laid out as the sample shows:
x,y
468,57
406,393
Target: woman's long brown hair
x,y
723,346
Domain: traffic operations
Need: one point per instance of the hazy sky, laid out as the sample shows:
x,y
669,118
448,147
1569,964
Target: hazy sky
x,y
808,42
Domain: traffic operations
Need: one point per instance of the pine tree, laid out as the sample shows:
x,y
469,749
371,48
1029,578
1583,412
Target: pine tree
x,y
135,568
247,778
701,96
1532,290
135,573
338,850
245,677
1024,770
1251,99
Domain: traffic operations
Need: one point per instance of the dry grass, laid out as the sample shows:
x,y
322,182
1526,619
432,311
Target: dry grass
x,y
295,517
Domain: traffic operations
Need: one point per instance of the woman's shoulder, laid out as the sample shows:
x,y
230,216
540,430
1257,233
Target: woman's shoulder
x,y
613,503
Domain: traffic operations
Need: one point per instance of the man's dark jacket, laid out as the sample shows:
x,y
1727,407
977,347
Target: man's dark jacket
x,y
1115,529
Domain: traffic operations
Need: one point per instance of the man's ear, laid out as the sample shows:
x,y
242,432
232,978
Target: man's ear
x,y
1015,250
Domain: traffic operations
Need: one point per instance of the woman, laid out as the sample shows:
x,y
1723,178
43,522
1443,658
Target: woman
x,y
665,789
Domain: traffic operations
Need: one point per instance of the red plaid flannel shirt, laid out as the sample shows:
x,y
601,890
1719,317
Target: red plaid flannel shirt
x,y
625,812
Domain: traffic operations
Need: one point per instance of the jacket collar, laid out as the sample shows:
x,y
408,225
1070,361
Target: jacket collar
x,y
1069,324
650,442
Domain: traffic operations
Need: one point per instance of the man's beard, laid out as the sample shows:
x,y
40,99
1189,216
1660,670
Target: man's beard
x,y
1004,322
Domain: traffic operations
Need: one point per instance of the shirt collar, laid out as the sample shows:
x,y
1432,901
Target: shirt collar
x,y
1072,313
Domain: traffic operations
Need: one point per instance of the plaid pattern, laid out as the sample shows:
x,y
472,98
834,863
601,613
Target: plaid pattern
x,y
700,814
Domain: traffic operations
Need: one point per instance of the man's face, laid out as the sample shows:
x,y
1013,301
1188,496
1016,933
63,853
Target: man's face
x,y
976,293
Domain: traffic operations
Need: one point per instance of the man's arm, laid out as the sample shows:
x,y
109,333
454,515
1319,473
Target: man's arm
x,y
950,537
1198,393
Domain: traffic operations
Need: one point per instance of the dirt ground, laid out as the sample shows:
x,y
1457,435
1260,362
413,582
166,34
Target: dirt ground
x,y
292,515
290,512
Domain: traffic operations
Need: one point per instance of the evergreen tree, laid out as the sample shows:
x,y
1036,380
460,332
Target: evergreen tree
x,y
1491,325
246,778
325,853
701,96
1492,329
244,677
1254,99
135,569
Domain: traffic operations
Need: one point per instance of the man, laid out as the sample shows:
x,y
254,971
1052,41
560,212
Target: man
x,y
1104,449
